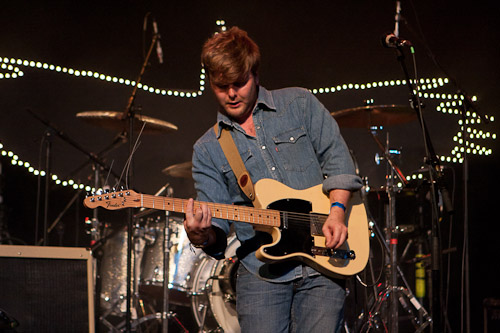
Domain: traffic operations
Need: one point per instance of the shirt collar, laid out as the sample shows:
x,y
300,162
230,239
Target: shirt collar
x,y
265,102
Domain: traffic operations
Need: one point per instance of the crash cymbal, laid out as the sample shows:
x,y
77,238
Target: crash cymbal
x,y
181,170
374,115
112,120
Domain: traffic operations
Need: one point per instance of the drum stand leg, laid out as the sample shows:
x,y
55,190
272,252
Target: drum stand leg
x,y
203,317
204,307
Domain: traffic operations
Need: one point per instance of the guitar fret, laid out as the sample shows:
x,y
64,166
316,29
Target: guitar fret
x,y
223,211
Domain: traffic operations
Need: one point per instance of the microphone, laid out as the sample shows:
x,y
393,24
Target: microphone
x,y
159,51
390,40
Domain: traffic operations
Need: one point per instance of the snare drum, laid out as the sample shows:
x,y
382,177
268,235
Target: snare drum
x,y
213,290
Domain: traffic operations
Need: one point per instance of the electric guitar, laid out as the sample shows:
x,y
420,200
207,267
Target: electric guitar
x,y
293,218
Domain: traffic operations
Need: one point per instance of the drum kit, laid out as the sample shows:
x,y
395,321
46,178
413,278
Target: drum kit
x,y
196,283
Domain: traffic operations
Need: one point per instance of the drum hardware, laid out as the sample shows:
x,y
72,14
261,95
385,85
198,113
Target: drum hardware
x,y
52,129
391,296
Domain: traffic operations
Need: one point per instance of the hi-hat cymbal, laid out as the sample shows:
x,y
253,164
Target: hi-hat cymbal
x,y
181,170
112,120
374,115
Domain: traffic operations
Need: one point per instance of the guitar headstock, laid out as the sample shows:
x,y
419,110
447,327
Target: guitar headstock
x,y
114,200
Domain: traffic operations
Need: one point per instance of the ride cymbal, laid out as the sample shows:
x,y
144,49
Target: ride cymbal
x,y
112,120
374,115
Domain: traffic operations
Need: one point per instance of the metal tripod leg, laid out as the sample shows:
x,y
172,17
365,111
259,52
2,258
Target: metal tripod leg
x,y
407,301
373,321
393,294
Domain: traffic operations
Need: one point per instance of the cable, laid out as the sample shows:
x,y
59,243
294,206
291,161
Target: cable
x,y
126,167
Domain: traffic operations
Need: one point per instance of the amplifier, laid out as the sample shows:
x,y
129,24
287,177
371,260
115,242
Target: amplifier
x,y
46,289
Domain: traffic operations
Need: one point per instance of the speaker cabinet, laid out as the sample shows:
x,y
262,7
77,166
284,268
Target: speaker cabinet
x,y
46,289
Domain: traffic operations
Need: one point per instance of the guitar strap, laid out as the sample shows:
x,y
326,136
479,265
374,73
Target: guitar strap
x,y
233,157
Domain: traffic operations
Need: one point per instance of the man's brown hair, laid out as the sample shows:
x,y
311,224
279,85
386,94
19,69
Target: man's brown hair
x,y
230,56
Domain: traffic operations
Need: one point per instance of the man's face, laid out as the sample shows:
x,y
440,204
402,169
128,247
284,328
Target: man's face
x,y
237,99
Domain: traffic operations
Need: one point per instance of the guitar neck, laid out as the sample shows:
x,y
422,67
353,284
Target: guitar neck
x,y
266,217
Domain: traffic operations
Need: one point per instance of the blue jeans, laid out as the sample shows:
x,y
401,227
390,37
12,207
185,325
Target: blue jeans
x,y
309,304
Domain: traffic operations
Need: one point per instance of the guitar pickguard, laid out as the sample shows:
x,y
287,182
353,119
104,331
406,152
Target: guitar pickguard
x,y
295,229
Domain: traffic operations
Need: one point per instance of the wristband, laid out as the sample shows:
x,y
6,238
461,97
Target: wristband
x,y
338,204
200,246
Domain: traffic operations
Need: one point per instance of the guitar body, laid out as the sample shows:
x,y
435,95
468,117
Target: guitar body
x,y
296,239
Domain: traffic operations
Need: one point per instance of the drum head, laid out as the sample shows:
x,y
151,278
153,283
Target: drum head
x,y
213,289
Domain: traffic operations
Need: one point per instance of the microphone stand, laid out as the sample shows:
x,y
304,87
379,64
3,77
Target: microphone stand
x,y
48,146
95,158
130,115
467,103
436,178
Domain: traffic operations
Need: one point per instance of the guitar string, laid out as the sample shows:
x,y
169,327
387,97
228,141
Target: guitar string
x,y
298,220
295,218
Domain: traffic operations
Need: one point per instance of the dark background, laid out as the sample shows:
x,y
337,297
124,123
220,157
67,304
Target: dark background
x,y
312,44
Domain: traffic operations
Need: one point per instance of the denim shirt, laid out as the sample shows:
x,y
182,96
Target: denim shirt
x,y
297,143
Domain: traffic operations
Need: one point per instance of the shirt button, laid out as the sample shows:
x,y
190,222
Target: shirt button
x,y
258,127
273,168
292,138
263,147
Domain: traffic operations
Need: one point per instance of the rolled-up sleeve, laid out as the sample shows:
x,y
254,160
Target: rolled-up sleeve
x,y
331,150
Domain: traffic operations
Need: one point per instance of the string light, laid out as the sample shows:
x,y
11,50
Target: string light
x,y
14,160
11,70
450,104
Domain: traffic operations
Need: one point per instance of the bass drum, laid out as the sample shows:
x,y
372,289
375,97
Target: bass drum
x,y
213,291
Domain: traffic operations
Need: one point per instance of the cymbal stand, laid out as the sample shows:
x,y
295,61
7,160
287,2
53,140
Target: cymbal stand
x,y
95,158
166,314
129,115
393,293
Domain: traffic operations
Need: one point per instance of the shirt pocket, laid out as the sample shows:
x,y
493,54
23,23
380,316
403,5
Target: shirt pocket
x,y
294,149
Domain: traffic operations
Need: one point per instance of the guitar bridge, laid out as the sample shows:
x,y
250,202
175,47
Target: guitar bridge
x,y
337,254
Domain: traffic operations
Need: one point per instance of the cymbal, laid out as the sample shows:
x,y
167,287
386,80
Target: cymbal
x,y
374,115
112,120
181,170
